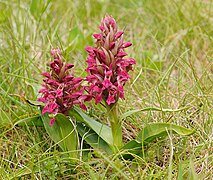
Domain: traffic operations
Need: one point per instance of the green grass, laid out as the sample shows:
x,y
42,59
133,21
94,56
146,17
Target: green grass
x,y
172,44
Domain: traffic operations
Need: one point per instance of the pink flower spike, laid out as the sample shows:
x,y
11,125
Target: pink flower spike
x,y
52,120
107,68
61,89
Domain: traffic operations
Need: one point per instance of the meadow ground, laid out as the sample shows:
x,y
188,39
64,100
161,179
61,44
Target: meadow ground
x,y
172,44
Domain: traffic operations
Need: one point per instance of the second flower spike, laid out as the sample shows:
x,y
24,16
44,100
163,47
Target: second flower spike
x,y
61,90
108,66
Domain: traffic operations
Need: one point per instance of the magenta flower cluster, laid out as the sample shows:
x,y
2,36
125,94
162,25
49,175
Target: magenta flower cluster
x,y
108,70
107,66
61,90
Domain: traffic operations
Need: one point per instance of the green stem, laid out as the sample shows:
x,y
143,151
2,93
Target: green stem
x,y
115,125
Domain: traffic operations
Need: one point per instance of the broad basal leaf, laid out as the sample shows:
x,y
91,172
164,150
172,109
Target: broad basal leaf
x,y
151,132
133,147
62,132
100,129
92,138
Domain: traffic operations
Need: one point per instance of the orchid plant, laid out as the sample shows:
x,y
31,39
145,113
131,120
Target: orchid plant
x,y
108,72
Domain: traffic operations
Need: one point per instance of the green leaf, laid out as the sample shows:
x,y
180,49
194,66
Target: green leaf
x,y
133,147
92,138
155,130
129,113
100,129
62,132
151,132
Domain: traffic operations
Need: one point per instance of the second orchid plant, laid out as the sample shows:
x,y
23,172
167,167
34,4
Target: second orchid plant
x,y
108,72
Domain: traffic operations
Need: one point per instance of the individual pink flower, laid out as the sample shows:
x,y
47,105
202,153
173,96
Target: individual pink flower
x,y
61,90
108,65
